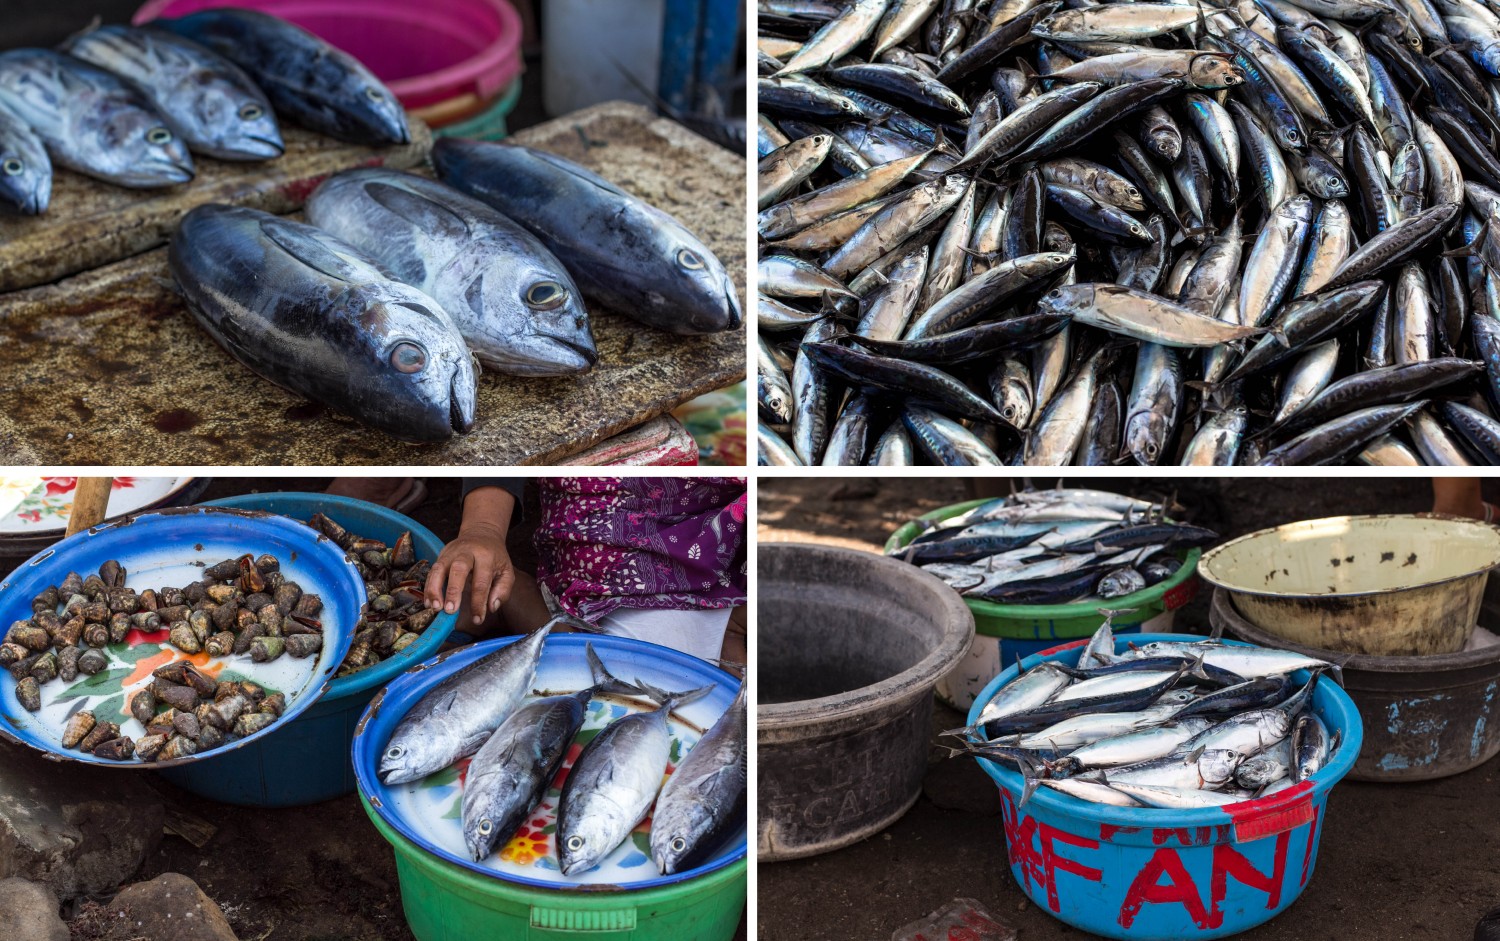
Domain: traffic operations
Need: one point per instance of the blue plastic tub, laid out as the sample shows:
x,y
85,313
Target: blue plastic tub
x,y
169,547
307,760
1146,874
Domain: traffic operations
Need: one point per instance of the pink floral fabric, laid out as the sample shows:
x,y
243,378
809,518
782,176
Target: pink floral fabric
x,y
606,543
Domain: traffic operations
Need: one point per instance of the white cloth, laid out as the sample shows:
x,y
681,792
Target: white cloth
x,y
698,632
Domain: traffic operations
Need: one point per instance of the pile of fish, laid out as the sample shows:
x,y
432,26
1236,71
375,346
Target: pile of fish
x,y
395,613
385,306
1023,232
1054,547
240,606
130,105
1172,724
519,745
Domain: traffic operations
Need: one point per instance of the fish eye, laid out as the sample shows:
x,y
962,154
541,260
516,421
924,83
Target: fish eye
x,y
251,112
689,260
1132,192
394,752
1055,293
1292,135
159,136
13,167
408,357
546,295
679,844
374,94
485,826
575,842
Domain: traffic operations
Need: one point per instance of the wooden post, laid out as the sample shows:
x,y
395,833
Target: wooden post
x,y
90,503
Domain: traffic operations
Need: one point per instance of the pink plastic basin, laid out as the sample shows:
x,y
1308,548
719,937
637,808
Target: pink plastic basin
x,y
426,52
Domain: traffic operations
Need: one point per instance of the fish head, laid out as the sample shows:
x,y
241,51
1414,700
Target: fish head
x,y
538,308
1214,72
372,112
1146,436
584,844
25,173
480,834
234,123
146,151
696,286
1066,299
1217,765
412,753
673,833
413,362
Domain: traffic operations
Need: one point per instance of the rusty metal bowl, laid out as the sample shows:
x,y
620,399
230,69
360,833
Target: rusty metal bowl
x,y
1389,586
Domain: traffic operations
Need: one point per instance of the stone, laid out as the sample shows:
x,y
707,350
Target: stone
x,y
170,907
79,830
28,912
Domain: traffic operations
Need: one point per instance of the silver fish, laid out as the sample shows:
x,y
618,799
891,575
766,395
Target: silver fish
x,y
312,314
614,782
207,100
703,800
631,256
514,303
91,121
458,715
512,770
308,81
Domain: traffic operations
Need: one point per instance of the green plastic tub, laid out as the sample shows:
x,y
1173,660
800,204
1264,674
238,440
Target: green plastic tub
x,y
444,902
490,124
1005,633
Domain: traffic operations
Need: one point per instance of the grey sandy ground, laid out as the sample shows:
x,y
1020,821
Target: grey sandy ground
x,y
1396,862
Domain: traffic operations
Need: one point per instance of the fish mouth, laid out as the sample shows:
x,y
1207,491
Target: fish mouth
x,y
736,316
460,410
255,147
568,350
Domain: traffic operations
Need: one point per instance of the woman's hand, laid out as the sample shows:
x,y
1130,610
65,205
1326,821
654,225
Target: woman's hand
x,y
477,557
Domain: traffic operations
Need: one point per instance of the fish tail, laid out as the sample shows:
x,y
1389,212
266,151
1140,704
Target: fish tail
x,y
564,619
1033,778
603,680
670,700
964,732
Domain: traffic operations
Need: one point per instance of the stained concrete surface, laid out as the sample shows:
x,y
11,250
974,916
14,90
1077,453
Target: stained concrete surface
x,y
1396,862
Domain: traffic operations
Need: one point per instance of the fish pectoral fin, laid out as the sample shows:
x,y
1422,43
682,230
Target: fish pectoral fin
x,y
444,702
427,215
311,251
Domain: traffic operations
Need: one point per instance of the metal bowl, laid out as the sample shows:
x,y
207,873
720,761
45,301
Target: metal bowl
x,y
1381,585
169,547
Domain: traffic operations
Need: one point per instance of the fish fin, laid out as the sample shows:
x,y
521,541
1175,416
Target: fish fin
x,y
1196,753
564,619
312,248
424,213
1261,791
603,680
670,700
1032,777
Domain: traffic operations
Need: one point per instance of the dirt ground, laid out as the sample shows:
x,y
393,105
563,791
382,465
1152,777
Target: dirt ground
x,y
315,873
1396,862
